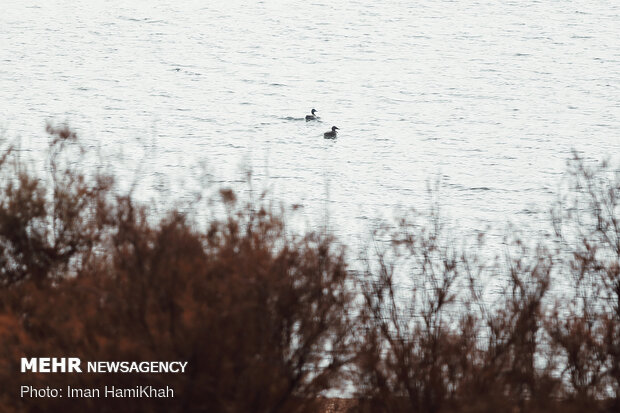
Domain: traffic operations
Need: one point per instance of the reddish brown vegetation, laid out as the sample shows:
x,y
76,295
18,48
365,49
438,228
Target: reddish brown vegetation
x,y
434,344
270,321
253,309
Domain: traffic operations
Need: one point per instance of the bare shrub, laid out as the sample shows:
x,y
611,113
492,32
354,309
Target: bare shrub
x,y
586,326
434,343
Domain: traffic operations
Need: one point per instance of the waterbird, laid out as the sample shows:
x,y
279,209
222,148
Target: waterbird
x,y
332,134
311,117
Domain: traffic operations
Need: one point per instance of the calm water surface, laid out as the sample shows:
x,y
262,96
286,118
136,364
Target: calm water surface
x,y
489,96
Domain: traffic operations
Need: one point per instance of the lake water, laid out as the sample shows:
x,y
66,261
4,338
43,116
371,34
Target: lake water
x,y
488,96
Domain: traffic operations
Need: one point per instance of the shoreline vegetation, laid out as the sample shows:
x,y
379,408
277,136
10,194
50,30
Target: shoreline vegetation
x,y
271,319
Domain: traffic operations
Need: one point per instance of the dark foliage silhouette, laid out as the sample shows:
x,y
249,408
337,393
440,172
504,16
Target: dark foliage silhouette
x,y
271,319
257,311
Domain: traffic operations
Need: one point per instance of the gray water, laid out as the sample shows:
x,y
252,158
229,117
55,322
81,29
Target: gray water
x,y
488,96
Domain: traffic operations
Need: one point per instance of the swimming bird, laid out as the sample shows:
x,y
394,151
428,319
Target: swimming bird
x,y
332,134
311,117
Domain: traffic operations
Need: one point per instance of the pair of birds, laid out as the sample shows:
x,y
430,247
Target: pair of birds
x,y
327,135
